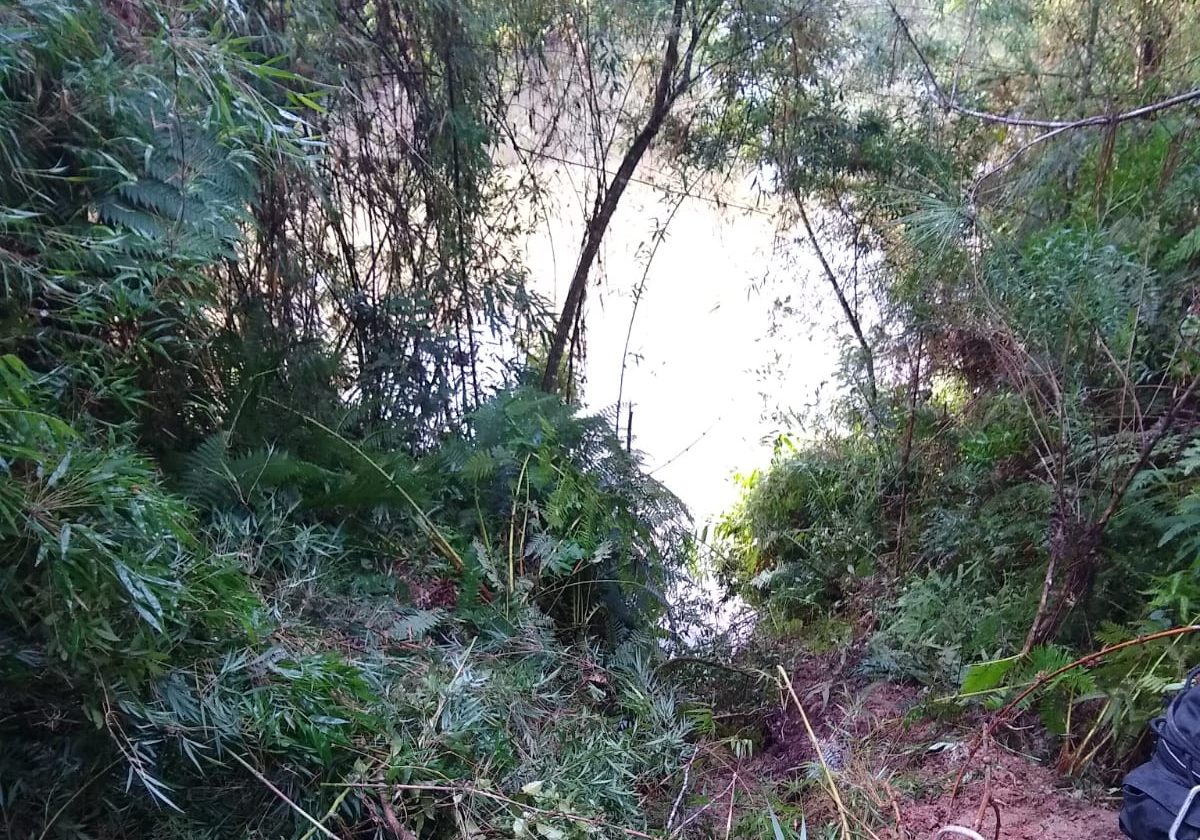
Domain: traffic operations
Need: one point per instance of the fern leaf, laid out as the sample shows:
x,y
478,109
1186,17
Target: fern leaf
x,y
416,625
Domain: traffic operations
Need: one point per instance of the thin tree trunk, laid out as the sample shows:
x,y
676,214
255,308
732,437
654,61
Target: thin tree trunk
x,y
1075,542
914,388
1089,52
1070,572
460,243
665,94
852,318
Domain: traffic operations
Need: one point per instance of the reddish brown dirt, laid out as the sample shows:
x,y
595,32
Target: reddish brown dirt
x,y
1031,801
904,772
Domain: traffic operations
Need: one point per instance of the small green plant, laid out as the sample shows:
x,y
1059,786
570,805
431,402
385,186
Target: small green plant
x,y
803,527
942,621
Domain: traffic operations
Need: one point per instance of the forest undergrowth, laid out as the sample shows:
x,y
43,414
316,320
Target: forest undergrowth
x,y
304,531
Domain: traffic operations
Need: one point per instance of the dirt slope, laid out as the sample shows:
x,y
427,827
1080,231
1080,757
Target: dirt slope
x,y
904,772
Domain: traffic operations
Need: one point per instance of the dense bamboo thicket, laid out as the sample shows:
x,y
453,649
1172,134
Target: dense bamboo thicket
x,y
304,534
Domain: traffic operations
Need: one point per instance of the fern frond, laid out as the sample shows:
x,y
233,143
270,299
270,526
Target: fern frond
x,y
416,625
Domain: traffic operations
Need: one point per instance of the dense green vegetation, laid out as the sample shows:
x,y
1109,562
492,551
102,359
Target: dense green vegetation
x,y
273,534
1007,475
292,544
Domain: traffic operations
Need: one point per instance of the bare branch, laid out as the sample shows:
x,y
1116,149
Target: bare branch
x,y
1054,127
666,92
847,310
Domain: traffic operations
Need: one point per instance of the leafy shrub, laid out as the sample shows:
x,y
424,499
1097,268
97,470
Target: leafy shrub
x,y
802,526
177,647
598,540
943,620
105,583
103,570
129,172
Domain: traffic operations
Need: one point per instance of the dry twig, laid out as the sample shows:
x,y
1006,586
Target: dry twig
x,y
786,682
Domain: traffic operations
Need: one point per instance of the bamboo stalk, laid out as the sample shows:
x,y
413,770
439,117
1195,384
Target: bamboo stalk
x,y
317,824
786,681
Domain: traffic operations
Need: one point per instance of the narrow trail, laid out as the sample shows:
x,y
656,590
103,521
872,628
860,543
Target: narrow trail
x,y
895,767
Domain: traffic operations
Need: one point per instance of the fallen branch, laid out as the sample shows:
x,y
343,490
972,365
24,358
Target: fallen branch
x,y
1001,716
695,814
687,771
732,799
499,797
271,787
1030,122
1052,127
708,663
786,682
1090,659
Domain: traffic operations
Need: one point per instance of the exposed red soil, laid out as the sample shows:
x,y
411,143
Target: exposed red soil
x,y
1031,802
905,771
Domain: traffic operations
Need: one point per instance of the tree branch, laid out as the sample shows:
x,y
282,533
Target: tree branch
x,y
666,91
1157,433
1055,126
851,315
